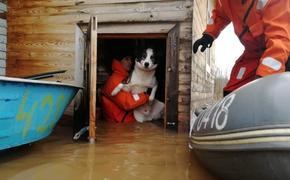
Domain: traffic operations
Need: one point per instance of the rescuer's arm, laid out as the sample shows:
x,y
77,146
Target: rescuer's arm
x,y
216,23
276,15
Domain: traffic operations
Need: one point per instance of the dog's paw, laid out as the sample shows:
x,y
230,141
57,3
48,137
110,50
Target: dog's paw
x,y
117,89
151,100
126,87
140,121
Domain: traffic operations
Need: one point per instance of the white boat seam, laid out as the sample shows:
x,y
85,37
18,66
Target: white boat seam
x,y
241,135
244,141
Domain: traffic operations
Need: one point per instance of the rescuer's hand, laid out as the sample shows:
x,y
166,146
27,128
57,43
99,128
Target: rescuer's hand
x,y
205,42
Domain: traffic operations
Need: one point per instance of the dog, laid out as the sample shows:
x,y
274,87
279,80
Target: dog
x,y
142,78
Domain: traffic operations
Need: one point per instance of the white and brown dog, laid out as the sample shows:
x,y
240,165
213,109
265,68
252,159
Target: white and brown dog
x,y
143,78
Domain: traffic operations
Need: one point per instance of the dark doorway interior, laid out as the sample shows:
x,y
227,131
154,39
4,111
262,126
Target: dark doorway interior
x,y
108,49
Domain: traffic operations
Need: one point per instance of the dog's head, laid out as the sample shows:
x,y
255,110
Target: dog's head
x,y
147,60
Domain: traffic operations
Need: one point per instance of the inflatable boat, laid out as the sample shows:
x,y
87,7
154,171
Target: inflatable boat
x,y
29,109
246,135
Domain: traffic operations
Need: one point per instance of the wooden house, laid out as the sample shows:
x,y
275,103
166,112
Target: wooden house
x,y
48,35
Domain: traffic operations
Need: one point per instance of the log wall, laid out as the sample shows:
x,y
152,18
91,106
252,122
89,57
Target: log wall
x,y
41,35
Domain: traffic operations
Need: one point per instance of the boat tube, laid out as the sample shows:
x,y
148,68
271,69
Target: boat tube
x,y
246,135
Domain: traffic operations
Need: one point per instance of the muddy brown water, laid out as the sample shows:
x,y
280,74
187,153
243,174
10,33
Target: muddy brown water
x,y
122,152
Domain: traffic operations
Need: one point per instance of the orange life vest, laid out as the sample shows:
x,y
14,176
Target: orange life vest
x,y
119,108
263,28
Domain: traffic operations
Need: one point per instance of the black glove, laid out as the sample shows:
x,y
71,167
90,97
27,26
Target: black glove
x,y
205,42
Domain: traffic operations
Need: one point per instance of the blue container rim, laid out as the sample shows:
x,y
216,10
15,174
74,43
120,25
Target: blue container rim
x,y
21,80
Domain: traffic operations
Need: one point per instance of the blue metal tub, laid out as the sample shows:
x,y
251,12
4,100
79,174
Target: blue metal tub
x,y
30,109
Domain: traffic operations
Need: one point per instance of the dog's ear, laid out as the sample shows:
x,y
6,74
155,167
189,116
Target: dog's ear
x,y
138,54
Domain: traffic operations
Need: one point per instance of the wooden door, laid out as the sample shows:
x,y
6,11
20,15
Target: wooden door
x,y
80,39
79,101
171,84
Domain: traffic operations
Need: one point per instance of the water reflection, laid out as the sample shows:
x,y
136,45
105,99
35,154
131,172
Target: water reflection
x,y
134,151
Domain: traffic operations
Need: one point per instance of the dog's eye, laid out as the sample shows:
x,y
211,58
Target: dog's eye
x,y
144,55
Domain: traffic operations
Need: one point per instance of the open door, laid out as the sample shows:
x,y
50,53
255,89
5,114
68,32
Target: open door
x,y
86,76
171,85
79,105
80,40
92,76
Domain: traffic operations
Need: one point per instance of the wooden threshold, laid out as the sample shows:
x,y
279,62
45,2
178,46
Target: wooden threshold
x,y
133,36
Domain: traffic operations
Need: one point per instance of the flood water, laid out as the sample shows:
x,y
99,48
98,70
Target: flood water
x,y
122,151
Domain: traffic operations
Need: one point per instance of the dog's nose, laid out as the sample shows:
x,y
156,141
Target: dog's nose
x,y
146,64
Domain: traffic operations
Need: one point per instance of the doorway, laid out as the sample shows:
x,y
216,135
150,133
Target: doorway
x,y
103,44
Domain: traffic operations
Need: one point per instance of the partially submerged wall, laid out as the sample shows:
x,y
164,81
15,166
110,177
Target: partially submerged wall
x,y
41,36
203,64
3,37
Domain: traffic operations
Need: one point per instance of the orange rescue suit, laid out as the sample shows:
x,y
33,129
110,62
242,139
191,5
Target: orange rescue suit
x,y
119,108
263,27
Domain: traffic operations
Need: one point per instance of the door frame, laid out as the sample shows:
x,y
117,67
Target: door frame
x,y
168,31
91,64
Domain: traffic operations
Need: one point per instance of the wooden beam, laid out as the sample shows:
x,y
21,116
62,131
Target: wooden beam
x,y
47,56
63,46
20,37
2,55
3,7
132,36
2,63
3,31
164,16
135,28
102,9
2,71
93,79
55,3
41,29
3,39
3,47
41,63
3,22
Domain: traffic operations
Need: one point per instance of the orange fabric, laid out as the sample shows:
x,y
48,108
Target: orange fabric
x,y
116,106
114,113
268,36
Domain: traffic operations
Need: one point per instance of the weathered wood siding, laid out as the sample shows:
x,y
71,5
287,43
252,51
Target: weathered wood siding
x,y
41,34
203,64
3,36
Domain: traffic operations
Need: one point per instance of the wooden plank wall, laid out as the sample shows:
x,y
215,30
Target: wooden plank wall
x,y
202,77
41,33
3,36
